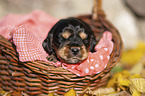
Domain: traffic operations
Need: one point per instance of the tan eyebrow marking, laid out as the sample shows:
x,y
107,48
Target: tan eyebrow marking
x,y
83,35
66,34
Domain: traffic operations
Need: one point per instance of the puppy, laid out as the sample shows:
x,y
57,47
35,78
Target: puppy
x,y
70,40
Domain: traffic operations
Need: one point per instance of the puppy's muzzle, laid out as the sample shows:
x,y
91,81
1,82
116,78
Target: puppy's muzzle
x,y
72,54
75,50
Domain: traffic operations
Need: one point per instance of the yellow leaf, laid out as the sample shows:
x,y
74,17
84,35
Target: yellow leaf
x,y
51,94
125,74
132,56
136,93
141,46
123,82
136,76
8,93
137,69
103,91
71,92
85,95
111,82
122,79
138,84
122,93
2,92
119,78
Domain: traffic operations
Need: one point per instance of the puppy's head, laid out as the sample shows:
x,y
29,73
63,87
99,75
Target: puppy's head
x,y
70,40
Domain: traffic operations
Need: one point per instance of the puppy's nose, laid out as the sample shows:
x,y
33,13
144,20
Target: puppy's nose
x,y
75,51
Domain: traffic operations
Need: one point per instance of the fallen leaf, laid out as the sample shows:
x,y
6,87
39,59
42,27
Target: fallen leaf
x,y
136,93
133,56
138,84
71,92
122,93
113,80
123,82
136,76
85,95
2,92
8,93
103,91
51,94
122,78
137,69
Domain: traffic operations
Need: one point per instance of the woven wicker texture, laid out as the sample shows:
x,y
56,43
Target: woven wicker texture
x,y
41,77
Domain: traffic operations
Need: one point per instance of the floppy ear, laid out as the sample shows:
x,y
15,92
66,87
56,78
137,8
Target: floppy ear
x,y
93,43
47,44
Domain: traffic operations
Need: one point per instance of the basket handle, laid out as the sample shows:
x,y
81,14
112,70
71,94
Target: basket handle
x,y
97,9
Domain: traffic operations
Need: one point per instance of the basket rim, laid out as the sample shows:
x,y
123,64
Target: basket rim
x,y
36,65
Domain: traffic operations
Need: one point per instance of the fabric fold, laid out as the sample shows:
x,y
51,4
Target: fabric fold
x,y
28,32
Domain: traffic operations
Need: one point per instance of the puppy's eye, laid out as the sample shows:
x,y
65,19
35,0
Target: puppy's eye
x,y
83,35
66,34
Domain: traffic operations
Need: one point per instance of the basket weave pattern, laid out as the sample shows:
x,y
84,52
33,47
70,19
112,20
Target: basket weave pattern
x,y
41,77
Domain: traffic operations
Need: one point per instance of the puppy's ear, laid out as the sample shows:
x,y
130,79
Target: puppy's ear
x,y
47,44
93,43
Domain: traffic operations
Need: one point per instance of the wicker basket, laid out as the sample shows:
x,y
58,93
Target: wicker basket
x,y
41,77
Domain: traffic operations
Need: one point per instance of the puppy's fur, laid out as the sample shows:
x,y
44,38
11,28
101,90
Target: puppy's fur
x,y
70,40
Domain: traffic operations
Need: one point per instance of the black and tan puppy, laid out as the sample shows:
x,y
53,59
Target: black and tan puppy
x,y
70,40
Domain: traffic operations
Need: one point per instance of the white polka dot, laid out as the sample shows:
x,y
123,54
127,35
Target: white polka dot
x,y
96,65
92,60
78,74
92,67
73,67
58,63
88,60
108,57
87,70
101,57
106,49
99,46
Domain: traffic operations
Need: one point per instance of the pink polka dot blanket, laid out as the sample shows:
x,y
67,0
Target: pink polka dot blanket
x,y
28,31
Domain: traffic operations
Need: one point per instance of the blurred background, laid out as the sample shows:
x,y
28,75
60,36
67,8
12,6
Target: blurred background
x,y
126,15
